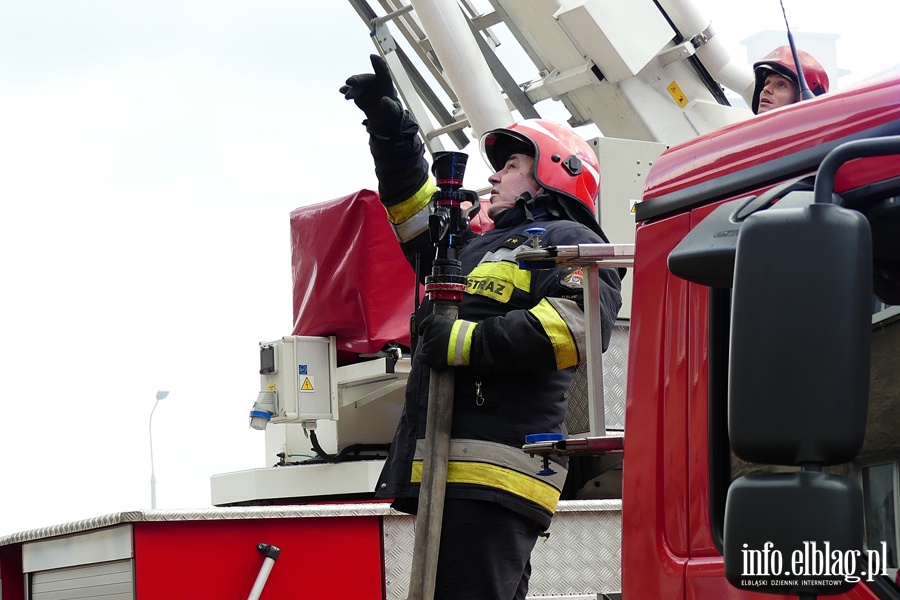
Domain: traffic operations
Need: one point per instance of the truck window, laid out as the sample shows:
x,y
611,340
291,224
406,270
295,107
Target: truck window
x,y
878,484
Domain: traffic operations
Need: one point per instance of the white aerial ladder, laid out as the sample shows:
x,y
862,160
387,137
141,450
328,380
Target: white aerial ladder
x,y
649,70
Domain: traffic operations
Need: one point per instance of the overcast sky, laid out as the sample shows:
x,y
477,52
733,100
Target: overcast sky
x,y
150,154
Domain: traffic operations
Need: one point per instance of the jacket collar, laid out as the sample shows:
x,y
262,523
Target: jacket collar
x,y
526,209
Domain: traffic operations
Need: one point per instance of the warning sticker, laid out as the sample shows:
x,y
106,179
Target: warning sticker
x,y
307,384
677,95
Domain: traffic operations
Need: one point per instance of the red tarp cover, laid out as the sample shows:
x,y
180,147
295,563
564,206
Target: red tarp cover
x,y
351,279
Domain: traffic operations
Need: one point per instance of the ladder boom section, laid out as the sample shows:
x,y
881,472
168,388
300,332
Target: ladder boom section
x,y
649,70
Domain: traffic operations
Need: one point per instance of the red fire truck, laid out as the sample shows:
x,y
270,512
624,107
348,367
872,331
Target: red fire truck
x,y
755,365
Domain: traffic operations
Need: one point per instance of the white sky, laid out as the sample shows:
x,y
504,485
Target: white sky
x,y
150,154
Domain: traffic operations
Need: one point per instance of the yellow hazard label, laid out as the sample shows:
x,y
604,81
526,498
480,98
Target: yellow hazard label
x,y
677,94
307,384
271,388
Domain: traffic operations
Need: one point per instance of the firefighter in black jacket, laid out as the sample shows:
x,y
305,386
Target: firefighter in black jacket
x,y
519,336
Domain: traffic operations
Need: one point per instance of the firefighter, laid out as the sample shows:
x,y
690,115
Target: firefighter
x,y
777,83
515,345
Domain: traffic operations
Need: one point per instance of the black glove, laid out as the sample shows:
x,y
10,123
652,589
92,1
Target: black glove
x,y
375,95
445,342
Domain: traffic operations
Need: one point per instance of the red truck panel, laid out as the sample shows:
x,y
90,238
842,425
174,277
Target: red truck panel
x,y
771,137
654,526
335,557
12,582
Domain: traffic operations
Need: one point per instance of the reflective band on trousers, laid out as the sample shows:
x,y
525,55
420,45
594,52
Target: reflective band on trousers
x,y
501,467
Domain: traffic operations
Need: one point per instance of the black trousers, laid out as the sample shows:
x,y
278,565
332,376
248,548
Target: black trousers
x,y
485,552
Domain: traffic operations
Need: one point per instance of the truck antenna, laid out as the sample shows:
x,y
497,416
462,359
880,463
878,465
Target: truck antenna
x,y
805,92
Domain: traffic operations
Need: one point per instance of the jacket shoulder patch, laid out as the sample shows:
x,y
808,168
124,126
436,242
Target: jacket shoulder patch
x,y
572,279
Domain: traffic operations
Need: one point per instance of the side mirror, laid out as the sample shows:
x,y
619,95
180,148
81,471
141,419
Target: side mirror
x,y
794,533
800,336
706,254
798,389
882,216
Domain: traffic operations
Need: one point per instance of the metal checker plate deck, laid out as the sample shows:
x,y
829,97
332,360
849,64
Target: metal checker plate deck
x,y
582,556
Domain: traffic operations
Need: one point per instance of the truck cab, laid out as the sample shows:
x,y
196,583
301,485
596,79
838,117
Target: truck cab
x,y
679,463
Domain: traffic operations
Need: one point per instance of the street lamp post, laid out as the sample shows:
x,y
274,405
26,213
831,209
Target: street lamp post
x,y
159,396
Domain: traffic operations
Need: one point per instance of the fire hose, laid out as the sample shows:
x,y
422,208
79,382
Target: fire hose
x,y
444,287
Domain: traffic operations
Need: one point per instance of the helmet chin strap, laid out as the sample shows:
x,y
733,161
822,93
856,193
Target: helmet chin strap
x,y
528,202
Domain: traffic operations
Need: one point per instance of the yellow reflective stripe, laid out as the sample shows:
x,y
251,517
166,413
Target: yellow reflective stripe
x,y
497,280
406,209
508,457
477,473
460,346
414,226
572,314
564,347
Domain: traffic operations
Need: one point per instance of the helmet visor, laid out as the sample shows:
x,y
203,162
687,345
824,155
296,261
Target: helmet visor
x,y
499,145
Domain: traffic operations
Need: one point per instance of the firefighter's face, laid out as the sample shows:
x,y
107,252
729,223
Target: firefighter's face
x,y
777,91
513,180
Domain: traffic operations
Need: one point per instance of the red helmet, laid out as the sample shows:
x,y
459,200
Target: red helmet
x,y
563,162
781,61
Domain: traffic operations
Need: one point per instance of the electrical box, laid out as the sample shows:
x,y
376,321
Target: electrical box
x,y
298,374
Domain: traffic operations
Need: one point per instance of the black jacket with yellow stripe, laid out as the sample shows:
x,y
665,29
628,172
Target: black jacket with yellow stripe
x,y
532,325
